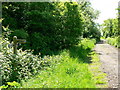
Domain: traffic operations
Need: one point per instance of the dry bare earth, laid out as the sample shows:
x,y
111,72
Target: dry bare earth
x,y
109,58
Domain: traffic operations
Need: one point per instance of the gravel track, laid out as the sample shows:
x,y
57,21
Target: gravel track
x,y
109,58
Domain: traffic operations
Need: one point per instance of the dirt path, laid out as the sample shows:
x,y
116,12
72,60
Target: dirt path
x,y
109,58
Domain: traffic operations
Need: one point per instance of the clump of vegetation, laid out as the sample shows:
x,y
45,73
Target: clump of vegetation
x,y
111,32
114,41
110,28
11,85
21,66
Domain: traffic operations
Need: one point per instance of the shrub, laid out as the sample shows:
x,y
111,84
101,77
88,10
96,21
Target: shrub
x,y
20,66
87,43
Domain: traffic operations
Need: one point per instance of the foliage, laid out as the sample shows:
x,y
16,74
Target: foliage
x,y
4,86
20,34
110,28
89,43
65,71
114,41
50,26
111,31
6,31
11,85
20,66
90,28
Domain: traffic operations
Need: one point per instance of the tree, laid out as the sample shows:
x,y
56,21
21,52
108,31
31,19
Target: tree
x,y
50,26
110,28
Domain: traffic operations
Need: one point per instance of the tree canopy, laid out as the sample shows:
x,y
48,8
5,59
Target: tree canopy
x,y
110,28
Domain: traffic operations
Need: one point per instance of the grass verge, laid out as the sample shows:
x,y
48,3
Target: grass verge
x,y
72,68
66,74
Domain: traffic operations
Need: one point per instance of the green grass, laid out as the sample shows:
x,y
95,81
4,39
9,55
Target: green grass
x,y
69,69
99,77
67,74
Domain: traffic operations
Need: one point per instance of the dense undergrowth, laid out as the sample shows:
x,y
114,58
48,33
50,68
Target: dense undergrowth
x,y
68,69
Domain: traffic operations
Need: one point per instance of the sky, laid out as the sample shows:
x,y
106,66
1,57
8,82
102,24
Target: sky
x,y
106,7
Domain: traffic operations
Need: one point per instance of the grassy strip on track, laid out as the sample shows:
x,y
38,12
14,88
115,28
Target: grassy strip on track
x,y
98,75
